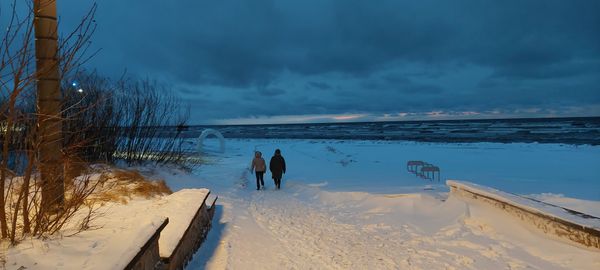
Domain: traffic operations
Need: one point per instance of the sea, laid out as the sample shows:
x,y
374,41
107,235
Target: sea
x,y
574,131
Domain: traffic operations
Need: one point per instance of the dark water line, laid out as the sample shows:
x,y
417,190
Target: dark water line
x,y
575,131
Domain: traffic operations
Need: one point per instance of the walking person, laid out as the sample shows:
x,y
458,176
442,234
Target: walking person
x,y
259,166
277,167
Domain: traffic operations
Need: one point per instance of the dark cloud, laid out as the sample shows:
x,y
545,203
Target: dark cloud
x,y
396,79
319,85
340,56
559,70
271,91
400,85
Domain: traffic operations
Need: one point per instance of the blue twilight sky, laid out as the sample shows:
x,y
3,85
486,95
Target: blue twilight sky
x,y
260,61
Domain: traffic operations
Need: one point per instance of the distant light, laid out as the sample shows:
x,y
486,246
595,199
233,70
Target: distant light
x,y
74,84
80,90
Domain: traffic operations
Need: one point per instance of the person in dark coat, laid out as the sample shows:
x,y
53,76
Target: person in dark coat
x,y
277,167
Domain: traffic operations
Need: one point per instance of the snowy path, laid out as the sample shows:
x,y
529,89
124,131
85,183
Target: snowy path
x,y
305,227
279,231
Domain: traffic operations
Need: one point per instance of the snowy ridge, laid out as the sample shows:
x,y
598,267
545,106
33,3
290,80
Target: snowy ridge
x,y
565,223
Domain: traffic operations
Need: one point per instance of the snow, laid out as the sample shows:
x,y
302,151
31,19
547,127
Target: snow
x,y
353,205
584,206
119,232
347,205
527,204
380,166
116,237
181,208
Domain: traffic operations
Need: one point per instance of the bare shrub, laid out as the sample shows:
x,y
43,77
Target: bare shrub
x,y
102,121
21,210
131,120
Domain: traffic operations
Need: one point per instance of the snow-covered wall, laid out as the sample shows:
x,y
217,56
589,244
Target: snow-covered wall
x,y
563,223
190,222
147,257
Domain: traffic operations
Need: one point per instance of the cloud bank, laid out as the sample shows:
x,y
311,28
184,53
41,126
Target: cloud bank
x,y
283,59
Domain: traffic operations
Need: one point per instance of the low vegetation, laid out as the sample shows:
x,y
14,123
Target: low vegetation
x,y
103,121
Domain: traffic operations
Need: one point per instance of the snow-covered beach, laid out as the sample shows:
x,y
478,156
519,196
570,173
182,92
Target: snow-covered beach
x,y
353,205
346,205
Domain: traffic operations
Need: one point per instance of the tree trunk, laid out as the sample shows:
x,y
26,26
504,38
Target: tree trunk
x,y
49,105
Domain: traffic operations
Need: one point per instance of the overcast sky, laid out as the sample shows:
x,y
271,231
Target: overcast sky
x,y
239,61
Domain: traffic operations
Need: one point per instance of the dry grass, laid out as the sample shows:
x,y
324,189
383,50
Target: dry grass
x,y
74,168
122,185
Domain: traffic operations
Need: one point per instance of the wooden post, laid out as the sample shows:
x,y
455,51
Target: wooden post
x,y
49,104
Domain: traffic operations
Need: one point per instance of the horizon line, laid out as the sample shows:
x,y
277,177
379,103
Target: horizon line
x,y
405,121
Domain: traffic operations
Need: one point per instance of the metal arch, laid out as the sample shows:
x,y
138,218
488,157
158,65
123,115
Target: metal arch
x,y
208,132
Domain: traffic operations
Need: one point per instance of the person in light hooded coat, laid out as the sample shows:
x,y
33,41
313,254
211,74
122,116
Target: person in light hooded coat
x,y
260,167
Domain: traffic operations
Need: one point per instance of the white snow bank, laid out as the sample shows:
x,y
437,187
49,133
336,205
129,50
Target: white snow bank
x,y
528,204
181,208
583,206
117,234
